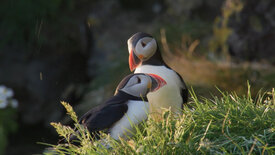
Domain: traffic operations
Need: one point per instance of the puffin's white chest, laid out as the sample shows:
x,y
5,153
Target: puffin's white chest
x,y
169,96
136,113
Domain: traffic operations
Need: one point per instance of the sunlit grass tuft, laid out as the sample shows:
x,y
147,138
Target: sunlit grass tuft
x,y
229,124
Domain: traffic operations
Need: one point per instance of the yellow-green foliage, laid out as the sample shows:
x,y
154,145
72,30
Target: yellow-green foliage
x,y
221,31
70,111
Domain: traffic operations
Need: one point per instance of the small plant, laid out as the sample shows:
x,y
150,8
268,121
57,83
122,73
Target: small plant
x,y
8,107
227,125
221,30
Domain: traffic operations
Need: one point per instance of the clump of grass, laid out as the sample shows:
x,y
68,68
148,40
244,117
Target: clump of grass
x,y
229,124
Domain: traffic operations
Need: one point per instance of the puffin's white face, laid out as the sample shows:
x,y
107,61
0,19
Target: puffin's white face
x,y
138,85
141,84
144,49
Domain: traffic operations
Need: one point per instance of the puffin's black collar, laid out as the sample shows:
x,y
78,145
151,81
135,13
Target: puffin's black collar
x,y
131,97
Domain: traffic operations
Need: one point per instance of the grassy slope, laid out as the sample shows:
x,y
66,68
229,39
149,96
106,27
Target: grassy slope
x,y
230,124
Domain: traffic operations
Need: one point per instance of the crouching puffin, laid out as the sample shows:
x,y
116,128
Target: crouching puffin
x,y
145,57
129,106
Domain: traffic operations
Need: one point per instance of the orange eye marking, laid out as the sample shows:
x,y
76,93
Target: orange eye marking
x,y
140,56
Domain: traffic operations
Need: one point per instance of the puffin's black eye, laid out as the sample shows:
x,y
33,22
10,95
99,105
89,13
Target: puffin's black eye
x,y
143,44
138,80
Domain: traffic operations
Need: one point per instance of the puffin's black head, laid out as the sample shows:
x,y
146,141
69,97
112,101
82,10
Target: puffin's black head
x,y
141,47
140,84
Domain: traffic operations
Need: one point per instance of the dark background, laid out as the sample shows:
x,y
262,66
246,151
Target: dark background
x,y
76,51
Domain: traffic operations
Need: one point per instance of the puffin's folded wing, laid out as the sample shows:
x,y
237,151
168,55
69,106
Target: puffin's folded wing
x,y
104,116
184,90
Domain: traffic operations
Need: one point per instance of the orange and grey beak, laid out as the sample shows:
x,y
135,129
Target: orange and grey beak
x,y
134,61
157,82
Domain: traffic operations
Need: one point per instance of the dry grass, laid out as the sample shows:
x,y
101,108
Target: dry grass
x,y
197,70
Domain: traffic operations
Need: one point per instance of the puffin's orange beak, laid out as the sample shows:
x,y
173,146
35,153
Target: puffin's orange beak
x,y
157,82
134,61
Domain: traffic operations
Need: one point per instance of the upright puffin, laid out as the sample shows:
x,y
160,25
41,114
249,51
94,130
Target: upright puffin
x,y
129,106
145,57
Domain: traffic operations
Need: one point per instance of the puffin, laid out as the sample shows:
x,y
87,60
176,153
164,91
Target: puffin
x,y
145,57
128,107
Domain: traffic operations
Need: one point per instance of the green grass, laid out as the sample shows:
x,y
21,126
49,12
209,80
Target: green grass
x,y
230,124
